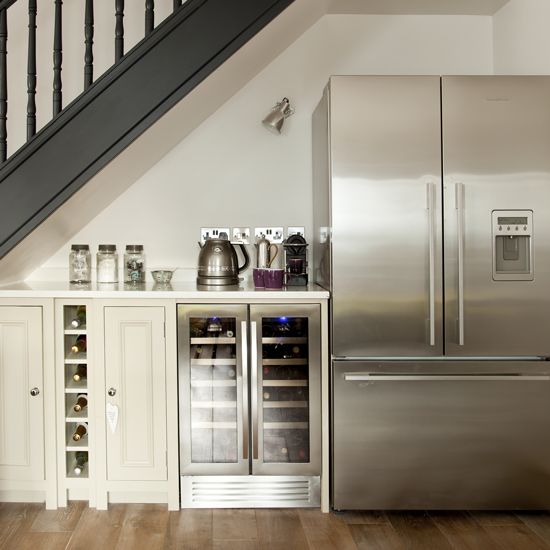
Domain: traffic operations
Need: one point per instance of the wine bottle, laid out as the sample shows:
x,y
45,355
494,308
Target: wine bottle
x,y
80,344
81,459
81,402
80,318
80,432
80,372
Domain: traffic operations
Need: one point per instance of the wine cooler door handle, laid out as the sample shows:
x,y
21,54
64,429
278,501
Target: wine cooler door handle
x,y
254,388
34,392
111,392
244,355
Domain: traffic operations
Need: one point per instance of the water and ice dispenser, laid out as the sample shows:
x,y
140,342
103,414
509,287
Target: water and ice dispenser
x,y
513,245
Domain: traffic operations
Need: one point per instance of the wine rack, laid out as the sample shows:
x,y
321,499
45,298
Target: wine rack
x,y
73,321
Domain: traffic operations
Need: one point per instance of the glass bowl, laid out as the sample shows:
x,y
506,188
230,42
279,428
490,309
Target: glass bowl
x,y
162,276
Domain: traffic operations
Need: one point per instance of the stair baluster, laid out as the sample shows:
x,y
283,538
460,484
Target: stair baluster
x,y
119,29
149,16
177,4
3,85
89,43
31,72
57,59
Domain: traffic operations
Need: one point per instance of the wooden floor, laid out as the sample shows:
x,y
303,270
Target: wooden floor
x,y
151,526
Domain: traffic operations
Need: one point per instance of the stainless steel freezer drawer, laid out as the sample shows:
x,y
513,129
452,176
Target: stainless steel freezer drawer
x,y
441,435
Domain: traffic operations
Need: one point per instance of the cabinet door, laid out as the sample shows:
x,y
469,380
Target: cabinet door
x,y
136,384
21,415
213,384
286,389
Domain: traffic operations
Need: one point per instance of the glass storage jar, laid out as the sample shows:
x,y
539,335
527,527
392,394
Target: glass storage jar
x,y
134,264
107,264
80,264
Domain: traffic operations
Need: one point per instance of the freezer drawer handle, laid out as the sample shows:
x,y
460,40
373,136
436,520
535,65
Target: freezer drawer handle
x,y
459,203
244,344
430,187
366,377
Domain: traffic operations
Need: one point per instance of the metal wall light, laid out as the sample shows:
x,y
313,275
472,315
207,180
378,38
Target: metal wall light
x,y
275,119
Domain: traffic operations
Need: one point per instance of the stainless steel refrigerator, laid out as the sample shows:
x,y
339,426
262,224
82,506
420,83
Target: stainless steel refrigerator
x,y
432,232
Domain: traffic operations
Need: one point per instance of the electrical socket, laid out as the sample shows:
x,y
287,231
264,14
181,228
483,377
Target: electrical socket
x,y
241,235
213,232
296,231
272,234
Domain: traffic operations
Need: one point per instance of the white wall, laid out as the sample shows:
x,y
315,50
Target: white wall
x,y
73,53
232,172
522,37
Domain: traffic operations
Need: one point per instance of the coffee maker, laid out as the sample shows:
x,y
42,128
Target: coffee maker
x,y
295,247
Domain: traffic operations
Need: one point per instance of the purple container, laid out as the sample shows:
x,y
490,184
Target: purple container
x,y
258,276
274,278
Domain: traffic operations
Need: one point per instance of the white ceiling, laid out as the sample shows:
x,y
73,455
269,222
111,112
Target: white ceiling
x,y
421,7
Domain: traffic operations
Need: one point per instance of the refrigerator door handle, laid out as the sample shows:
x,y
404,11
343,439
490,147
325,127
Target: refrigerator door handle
x,y
459,205
244,355
366,377
254,387
430,188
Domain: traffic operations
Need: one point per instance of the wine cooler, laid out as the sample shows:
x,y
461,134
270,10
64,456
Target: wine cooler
x,y
250,405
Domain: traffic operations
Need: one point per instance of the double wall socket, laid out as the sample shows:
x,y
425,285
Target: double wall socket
x,y
272,234
213,232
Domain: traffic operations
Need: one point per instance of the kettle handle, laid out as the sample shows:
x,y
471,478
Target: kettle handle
x,y
246,258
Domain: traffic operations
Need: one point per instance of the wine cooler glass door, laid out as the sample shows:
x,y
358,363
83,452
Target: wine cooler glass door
x,y
213,389
285,381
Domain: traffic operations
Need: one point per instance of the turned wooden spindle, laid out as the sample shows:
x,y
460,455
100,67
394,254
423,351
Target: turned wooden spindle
x,y
119,29
3,85
89,44
57,59
31,72
149,16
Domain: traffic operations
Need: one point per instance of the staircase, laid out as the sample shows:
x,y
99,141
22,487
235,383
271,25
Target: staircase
x,y
112,111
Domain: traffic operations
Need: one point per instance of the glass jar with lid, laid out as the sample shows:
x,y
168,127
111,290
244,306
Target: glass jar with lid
x,y
107,264
80,264
134,264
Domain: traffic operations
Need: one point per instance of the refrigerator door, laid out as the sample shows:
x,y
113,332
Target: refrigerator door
x,y
441,435
496,158
213,389
385,150
285,373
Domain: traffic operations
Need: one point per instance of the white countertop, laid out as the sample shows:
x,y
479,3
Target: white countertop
x,y
177,290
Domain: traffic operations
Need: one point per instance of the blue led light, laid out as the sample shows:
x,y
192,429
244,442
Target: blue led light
x,y
283,319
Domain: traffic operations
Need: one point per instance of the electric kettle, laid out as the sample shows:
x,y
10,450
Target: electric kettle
x,y
218,262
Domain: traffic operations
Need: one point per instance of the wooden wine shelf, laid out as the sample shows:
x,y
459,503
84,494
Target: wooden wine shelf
x,y
76,358
214,362
285,340
283,362
285,404
78,445
285,383
76,331
76,387
213,341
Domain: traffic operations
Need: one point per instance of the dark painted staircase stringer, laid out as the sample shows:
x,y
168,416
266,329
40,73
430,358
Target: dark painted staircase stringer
x,y
99,124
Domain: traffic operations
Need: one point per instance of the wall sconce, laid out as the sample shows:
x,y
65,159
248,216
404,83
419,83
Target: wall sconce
x,y
275,119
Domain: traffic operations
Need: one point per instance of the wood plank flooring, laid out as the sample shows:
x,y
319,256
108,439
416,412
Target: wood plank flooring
x,y
151,527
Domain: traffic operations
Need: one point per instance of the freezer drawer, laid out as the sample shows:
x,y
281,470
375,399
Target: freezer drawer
x,y
434,435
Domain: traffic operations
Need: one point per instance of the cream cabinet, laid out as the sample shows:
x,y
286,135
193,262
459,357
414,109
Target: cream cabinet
x,y
27,452
135,380
137,403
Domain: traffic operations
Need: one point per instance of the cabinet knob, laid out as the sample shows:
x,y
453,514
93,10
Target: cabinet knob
x,y
34,392
111,392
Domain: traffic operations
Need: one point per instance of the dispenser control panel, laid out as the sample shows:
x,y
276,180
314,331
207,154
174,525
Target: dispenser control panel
x,y
512,245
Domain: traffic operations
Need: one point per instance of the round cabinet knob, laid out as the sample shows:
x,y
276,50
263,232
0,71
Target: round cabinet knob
x,y
111,392
34,392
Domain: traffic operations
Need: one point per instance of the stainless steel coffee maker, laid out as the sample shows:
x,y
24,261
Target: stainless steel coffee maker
x,y
218,262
